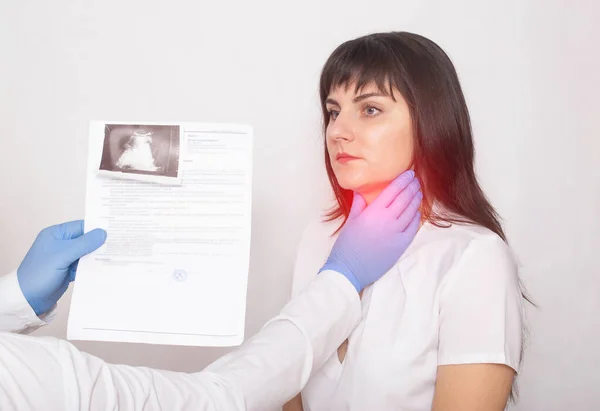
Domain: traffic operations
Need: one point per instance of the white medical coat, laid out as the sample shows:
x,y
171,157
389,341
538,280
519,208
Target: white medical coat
x,y
49,374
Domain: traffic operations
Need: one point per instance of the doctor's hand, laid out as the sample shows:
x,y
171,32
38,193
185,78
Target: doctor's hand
x,y
51,262
375,236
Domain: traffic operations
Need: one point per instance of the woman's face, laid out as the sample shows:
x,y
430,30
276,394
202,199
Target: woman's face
x,y
369,138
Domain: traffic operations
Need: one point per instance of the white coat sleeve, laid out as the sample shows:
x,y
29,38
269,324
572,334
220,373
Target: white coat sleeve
x,y
16,315
51,374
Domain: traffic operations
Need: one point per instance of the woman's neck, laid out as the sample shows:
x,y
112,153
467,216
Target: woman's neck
x,y
372,192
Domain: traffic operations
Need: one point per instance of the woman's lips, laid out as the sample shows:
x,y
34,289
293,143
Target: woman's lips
x,y
345,158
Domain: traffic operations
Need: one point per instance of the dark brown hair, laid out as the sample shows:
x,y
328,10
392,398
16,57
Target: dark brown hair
x,y
444,152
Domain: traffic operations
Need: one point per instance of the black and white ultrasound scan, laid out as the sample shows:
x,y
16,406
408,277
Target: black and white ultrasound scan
x,y
143,150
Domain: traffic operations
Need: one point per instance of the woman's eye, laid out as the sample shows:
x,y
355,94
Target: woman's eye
x,y
371,111
333,114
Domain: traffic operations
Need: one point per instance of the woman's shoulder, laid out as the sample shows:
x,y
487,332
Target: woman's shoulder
x,y
458,236
485,248
440,250
461,248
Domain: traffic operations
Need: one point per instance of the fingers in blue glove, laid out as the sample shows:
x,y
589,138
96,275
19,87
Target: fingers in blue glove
x,y
72,271
51,262
54,297
68,230
85,244
358,205
397,186
375,236
404,199
413,226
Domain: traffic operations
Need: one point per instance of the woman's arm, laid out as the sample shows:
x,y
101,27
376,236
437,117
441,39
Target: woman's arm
x,y
472,387
295,404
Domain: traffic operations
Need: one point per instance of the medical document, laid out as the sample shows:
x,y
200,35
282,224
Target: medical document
x,y
175,200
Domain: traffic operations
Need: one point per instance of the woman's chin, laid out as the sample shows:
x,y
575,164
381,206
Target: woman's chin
x,y
354,183
351,185
368,190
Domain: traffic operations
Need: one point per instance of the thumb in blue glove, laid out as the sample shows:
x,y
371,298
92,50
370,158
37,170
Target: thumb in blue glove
x,y
374,237
51,262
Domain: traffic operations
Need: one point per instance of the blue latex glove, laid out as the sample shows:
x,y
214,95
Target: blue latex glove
x,y
51,262
375,236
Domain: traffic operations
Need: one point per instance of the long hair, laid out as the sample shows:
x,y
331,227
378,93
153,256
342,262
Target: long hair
x,y
444,152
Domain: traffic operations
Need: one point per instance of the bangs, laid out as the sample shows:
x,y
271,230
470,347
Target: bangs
x,y
362,62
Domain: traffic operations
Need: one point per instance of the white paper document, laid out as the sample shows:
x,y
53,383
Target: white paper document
x,y
175,200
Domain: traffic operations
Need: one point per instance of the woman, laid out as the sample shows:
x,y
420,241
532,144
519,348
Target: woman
x,y
392,102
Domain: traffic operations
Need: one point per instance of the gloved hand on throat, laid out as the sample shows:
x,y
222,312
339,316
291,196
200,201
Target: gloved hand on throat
x,y
51,262
375,236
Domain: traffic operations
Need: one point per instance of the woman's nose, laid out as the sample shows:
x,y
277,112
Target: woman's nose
x,y
341,128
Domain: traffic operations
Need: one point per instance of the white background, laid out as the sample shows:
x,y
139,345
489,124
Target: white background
x,y
530,71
